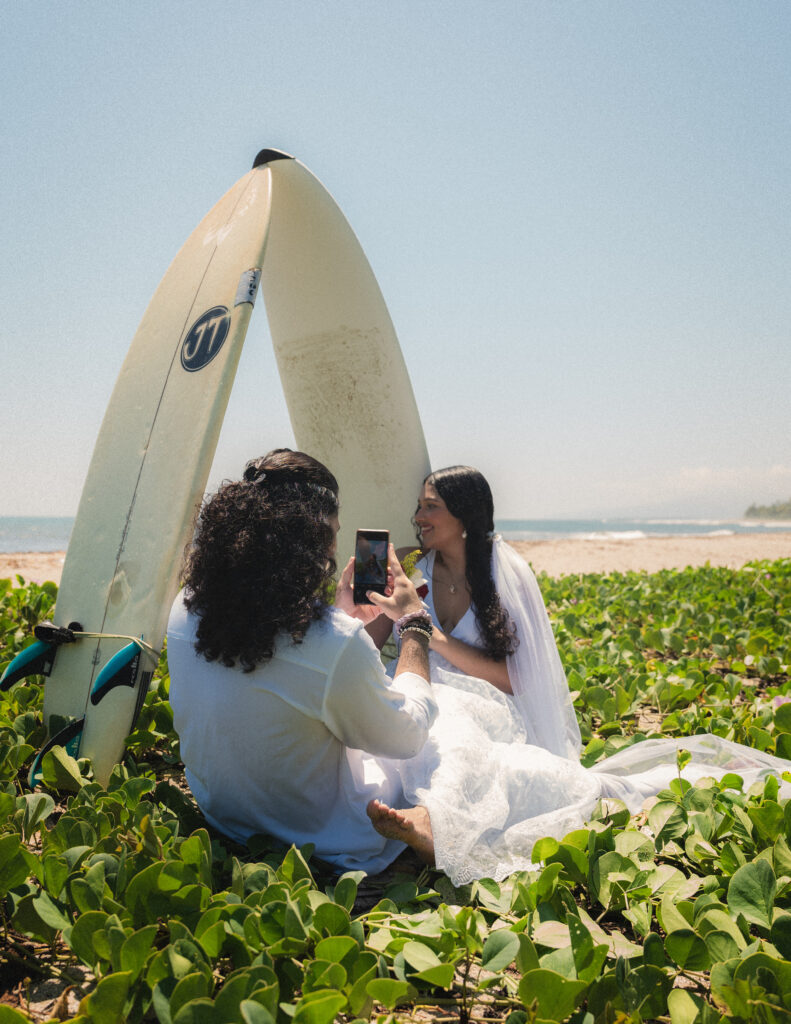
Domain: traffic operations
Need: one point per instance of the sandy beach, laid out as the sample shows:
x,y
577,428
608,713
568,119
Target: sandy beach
x,y
556,557
650,554
33,566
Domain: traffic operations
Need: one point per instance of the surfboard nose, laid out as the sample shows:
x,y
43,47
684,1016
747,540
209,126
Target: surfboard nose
x,y
266,156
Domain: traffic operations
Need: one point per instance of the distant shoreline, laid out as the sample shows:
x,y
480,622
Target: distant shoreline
x,y
555,557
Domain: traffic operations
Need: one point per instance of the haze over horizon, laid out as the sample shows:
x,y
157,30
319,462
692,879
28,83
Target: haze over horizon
x,y
578,216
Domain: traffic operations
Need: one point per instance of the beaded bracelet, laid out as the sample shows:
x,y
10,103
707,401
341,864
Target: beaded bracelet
x,y
421,617
415,629
422,624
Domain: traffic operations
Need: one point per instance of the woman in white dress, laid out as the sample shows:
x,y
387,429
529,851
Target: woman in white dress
x,y
500,768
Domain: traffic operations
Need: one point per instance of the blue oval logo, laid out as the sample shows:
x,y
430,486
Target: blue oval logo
x,y
205,338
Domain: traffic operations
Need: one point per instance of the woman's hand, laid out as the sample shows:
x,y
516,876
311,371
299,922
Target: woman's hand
x,y
344,595
402,599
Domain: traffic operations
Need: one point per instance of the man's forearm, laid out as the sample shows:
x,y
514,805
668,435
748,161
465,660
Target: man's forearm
x,y
414,654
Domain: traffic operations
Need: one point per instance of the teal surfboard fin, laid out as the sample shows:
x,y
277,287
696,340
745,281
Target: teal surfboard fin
x,y
120,670
37,659
68,737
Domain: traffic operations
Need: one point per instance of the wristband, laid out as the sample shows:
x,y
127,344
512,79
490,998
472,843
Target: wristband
x,y
414,618
414,628
424,627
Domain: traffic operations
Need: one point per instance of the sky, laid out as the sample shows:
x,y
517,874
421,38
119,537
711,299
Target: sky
x,y
578,214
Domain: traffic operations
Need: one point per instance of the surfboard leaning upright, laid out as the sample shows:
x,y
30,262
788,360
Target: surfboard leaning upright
x,y
346,385
150,464
349,399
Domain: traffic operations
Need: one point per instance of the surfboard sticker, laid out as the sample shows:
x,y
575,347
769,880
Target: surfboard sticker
x,y
205,338
248,287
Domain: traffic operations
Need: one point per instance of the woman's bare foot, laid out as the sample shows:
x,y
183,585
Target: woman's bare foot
x,y
411,826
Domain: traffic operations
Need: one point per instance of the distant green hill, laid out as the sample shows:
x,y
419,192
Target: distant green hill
x,y
780,510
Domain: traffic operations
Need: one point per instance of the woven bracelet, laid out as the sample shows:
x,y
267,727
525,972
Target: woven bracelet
x,y
421,617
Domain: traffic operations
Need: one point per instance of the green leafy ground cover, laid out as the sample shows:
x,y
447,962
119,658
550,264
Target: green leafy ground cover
x,y
120,904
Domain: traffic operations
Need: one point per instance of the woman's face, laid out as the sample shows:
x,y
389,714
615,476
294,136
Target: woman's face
x,y
439,529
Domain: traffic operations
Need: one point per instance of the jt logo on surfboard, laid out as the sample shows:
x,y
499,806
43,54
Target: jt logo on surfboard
x,y
205,338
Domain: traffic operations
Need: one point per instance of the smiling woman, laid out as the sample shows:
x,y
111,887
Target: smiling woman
x,y
501,766
455,520
490,623
434,522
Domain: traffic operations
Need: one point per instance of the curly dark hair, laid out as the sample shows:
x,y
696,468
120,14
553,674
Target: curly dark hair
x,y
260,562
468,497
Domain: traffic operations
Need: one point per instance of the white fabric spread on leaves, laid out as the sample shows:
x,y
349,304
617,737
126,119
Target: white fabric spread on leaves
x,y
492,790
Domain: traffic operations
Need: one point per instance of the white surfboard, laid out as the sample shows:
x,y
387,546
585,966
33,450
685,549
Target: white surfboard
x,y
350,402
347,388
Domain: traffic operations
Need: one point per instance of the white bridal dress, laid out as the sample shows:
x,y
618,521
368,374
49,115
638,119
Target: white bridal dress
x,y
497,773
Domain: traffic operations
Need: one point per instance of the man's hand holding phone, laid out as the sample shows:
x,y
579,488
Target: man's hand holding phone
x,y
403,599
399,597
344,595
371,563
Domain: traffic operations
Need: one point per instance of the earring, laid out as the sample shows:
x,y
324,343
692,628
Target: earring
x,y
463,534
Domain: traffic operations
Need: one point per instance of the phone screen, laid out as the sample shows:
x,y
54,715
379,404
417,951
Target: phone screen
x,y
370,563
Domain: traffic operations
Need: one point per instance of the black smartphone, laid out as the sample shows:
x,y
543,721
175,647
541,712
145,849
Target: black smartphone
x,y
370,563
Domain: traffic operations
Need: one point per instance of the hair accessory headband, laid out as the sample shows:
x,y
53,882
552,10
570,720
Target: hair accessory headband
x,y
257,478
323,492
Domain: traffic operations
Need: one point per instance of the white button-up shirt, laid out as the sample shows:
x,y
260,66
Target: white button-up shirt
x,y
297,747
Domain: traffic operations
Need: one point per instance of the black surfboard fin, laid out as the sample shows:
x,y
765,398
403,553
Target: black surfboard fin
x,y
68,737
267,156
37,659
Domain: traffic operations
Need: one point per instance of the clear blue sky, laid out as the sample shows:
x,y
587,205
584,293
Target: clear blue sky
x,y
578,214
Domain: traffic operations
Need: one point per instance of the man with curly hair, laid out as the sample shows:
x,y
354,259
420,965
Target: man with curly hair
x,y
286,718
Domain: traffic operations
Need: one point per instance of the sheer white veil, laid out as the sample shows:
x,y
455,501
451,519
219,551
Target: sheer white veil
x,y
536,673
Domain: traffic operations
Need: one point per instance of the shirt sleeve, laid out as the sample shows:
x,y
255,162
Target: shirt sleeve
x,y
367,711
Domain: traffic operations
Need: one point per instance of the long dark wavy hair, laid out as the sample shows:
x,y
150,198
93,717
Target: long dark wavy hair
x,y
469,498
259,564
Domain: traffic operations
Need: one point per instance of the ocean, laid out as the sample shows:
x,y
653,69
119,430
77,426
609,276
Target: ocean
x,y
631,529
35,533
51,533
